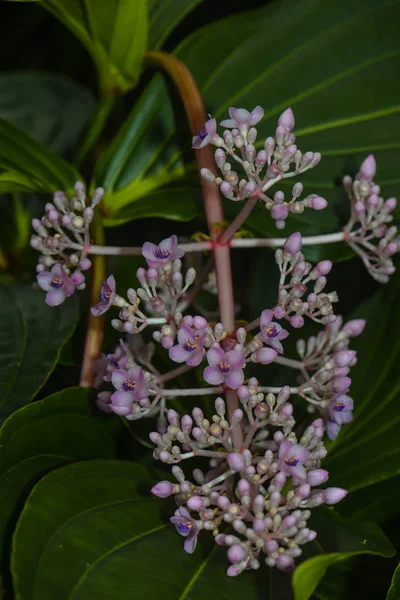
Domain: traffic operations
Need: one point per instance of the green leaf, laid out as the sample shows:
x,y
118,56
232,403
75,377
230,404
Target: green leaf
x,y
43,436
339,540
373,433
29,166
394,590
346,104
114,33
51,108
164,16
16,223
31,337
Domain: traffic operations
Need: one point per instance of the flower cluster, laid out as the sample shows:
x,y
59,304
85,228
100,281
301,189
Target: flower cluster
x,y
318,304
264,490
368,232
260,170
62,238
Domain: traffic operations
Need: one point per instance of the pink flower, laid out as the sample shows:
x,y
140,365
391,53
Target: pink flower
x,y
186,527
163,254
291,459
207,137
225,367
242,118
190,348
107,295
271,332
103,402
340,412
57,284
131,387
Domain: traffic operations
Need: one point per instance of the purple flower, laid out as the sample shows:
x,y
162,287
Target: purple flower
x,y
242,118
107,296
131,387
118,360
225,367
272,332
103,402
186,527
340,412
291,459
205,137
57,284
190,347
161,255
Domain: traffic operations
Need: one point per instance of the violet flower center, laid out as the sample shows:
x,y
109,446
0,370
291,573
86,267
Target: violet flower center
x,y
105,295
57,282
190,346
160,253
184,527
271,332
202,135
339,406
224,367
291,461
129,385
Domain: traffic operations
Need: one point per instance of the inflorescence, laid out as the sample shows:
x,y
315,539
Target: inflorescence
x,y
263,475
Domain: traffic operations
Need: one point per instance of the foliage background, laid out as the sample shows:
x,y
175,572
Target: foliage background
x,y
336,64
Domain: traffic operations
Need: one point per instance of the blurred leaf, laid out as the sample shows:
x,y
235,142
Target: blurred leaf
x,y
349,94
31,337
40,437
114,33
373,434
339,541
16,223
51,108
164,16
394,590
27,165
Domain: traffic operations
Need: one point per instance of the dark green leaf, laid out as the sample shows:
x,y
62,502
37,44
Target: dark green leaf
x,y
16,223
345,102
338,540
373,434
164,16
42,436
27,165
51,108
394,590
32,335
114,33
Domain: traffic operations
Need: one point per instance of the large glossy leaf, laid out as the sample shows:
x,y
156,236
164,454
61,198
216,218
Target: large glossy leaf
x,y
95,537
367,450
335,64
114,33
41,437
29,166
164,16
31,338
51,108
394,590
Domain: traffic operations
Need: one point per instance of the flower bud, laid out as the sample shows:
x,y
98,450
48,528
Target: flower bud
x,y
318,203
317,476
195,503
368,168
236,461
354,327
293,244
265,356
287,119
333,495
163,489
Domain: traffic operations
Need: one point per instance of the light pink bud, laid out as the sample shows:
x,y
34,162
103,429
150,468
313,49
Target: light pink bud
x,y
273,171
237,415
226,189
344,358
258,525
223,502
317,476
391,248
333,495
373,201
164,456
279,312
306,159
304,490
324,267
195,503
77,278
368,168
233,571
236,461
167,342
341,384
266,356
262,157
284,394
359,208
293,244
272,546
172,416
258,503
243,392
243,487
279,212
286,410
220,539
354,327
53,216
318,203
197,433
163,489
199,322
220,157
297,321
287,119
390,204
285,563
85,264
88,214
186,423
280,224
152,274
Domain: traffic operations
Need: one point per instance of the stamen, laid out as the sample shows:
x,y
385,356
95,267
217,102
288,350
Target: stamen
x,y
129,385
56,282
291,461
225,368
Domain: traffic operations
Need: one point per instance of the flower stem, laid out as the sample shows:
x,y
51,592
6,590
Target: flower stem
x,y
239,220
94,334
196,114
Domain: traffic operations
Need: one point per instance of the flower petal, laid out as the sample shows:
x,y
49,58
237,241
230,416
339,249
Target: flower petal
x,y
178,354
235,379
228,123
266,318
118,378
256,115
122,399
55,297
215,355
190,544
44,280
235,358
149,250
213,375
